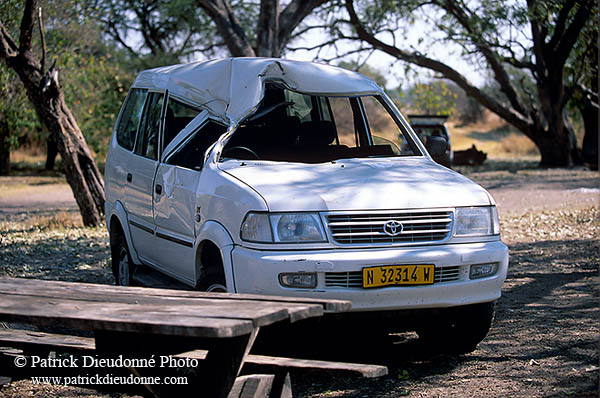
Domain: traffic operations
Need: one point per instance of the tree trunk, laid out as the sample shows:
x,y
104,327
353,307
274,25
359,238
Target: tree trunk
x,y
4,149
78,164
589,113
268,29
553,144
51,152
44,92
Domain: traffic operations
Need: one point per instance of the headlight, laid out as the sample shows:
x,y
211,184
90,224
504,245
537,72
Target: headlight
x,y
476,221
256,228
283,228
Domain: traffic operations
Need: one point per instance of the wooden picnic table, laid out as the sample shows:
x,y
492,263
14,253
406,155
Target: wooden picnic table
x,y
137,322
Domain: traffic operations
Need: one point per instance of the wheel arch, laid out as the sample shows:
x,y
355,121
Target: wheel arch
x,y
118,219
213,240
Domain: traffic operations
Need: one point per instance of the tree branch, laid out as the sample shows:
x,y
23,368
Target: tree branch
x,y
561,22
308,29
229,27
500,74
41,26
117,36
8,48
291,17
539,36
514,117
567,41
267,29
27,26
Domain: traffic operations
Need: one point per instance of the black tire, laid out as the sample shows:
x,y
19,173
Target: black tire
x,y
457,330
122,264
212,276
213,281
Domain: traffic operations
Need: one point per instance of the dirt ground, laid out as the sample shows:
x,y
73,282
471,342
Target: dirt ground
x,y
545,339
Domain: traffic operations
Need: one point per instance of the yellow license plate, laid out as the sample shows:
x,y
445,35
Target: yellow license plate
x,y
392,275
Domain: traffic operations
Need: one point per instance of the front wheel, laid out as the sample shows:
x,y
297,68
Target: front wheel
x,y
458,330
213,281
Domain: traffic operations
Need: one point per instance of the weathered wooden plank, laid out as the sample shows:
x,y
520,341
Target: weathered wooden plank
x,y
355,369
118,317
264,362
297,311
260,313
252,386
27,338
108,292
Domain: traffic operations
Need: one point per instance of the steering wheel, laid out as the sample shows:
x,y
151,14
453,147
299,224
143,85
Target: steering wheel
x,y
243,148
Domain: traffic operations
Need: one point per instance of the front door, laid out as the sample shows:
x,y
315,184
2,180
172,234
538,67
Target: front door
x,y
176,208
174,216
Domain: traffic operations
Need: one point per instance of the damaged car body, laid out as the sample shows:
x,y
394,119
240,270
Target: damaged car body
x,y
278,177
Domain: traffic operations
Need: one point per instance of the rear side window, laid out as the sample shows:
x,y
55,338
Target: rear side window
x,y
147,139
130,119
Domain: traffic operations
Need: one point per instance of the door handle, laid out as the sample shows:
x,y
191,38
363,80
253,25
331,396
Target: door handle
x,y
158,189
129,177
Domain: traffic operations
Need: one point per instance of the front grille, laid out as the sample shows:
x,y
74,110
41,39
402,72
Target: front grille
x,y
354,279
368,228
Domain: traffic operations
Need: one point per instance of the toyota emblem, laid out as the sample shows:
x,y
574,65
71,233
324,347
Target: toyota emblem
x,y
392,228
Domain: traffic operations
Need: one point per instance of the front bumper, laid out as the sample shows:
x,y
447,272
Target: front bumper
x,y
257,271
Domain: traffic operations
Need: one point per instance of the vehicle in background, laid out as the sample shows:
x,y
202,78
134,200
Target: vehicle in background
x,y
433,125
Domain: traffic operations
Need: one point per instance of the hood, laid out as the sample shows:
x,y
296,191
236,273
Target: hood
x,y
357,184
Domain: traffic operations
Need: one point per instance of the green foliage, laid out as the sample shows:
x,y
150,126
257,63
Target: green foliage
x,y
434,98
94,77
17,116
95,87
167,31
10,15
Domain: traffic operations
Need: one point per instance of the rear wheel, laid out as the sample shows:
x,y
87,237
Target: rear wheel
x,y
121,259
458,330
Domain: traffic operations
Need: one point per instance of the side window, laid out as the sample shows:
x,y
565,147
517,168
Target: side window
x,y
302,107
383,125
130,118
191,154
177,117
147,139
343,114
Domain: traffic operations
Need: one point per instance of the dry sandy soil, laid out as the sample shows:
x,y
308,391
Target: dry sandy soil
x,y
544,342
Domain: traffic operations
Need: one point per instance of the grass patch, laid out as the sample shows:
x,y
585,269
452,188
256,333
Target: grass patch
x,y
32,162
493,136
11,186
54,246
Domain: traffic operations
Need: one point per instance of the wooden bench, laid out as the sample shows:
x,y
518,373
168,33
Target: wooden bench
x,y
217,328
276,381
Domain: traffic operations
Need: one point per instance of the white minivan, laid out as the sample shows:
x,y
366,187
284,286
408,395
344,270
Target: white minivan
x,y
279,177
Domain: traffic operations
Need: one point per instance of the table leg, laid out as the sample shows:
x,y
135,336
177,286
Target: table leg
x,y
214,376
223,363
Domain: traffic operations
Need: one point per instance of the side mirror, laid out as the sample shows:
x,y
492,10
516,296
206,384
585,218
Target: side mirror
x,y
436,146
